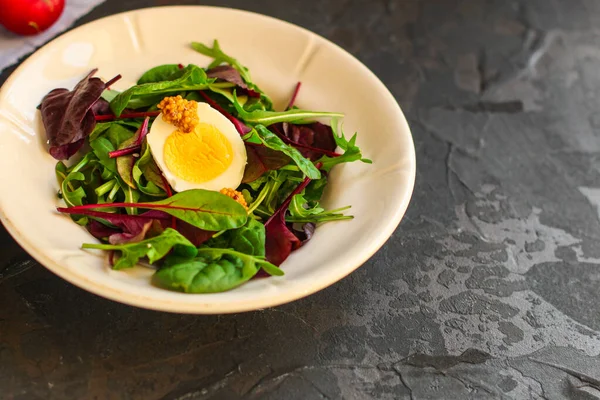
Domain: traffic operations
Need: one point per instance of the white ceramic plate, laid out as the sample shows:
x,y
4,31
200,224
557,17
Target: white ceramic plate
x,y
279,55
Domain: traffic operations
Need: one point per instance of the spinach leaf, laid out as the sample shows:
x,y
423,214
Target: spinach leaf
x,y
192,78
109,94
272,141
204,209
159,74
119,133
154,248
249,239
212,271
116,131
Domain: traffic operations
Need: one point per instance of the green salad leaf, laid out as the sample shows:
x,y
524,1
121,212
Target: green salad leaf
x,y
267,118
192,77
159,73
301,212
154,248
204,209
147,175
351,150
249,239
219,57
211,271
272,141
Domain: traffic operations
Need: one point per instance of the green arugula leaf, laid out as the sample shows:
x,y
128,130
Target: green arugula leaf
x,y
101,146
192,78
147,175
267,118
297,209
272,141
301,211
72,180
314,190
351,150
220,57
72,193
212,271
154,248
132,196
125,164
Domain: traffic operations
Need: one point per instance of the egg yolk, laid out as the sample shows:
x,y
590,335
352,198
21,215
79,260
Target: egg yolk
x,y
198,156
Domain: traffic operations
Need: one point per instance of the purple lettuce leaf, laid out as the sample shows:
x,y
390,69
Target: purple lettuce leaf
x,y
127,228
312,140
66,151
101,107
68,116
229,74
260,160
304,232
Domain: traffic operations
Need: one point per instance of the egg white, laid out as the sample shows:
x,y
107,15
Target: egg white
x,y
230,178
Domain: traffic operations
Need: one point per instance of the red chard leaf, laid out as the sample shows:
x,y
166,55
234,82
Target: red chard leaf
x,y
99,230
239,125
136,235
280,240
312,140
262,159
195,235
294,95
128,228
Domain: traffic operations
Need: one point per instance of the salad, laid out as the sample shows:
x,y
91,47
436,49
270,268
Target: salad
x,y
192,171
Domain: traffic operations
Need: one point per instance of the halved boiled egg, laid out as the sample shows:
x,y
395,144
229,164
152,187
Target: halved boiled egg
x,y
210,156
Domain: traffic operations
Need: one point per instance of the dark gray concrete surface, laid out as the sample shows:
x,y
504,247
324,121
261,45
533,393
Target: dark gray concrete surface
x,y
490,287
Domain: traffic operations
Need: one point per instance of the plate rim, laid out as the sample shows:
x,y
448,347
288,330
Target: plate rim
x,y
108,292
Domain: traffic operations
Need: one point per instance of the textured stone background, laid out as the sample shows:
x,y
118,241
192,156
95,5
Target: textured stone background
x,y
489,288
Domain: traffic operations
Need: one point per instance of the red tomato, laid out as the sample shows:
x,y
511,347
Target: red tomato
x,y
29,17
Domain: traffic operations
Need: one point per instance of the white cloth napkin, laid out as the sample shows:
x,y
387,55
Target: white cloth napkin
x,y
13,47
